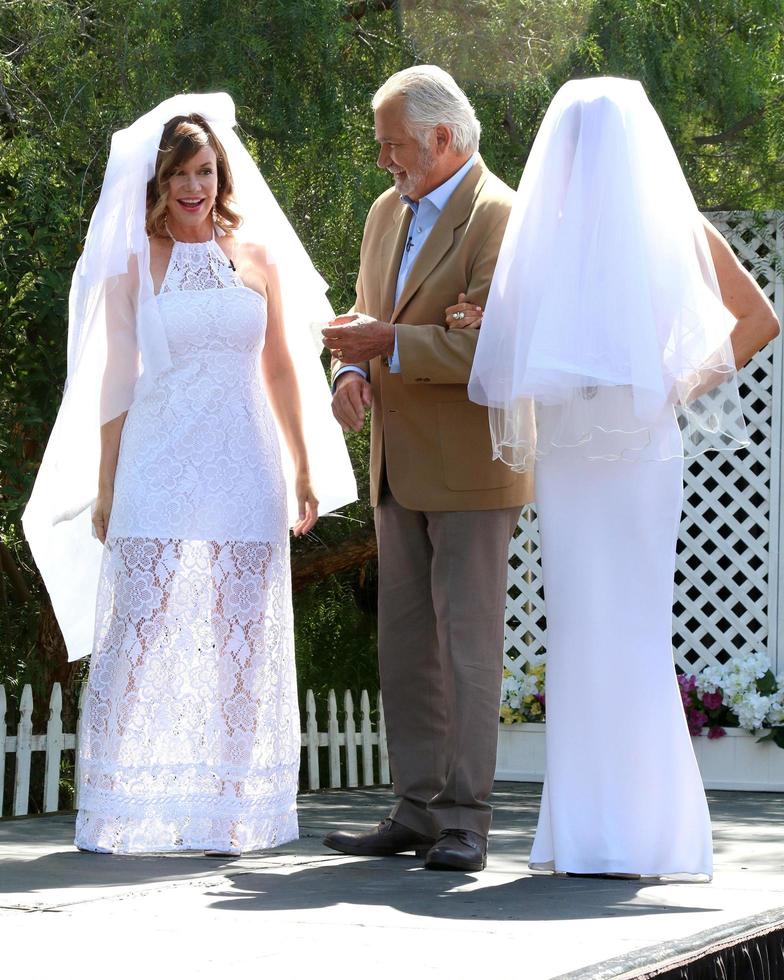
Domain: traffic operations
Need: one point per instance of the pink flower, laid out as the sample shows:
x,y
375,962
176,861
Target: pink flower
x,y
716,731
696,721
687,686
712,701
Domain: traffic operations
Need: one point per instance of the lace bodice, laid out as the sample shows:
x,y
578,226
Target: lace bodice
x,y
199,319
199,266
200,455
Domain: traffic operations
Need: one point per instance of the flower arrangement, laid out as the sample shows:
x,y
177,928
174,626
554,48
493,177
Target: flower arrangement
x,y
743,693
522,693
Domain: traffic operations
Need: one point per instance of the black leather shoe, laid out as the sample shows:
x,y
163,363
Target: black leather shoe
x,y
388,838
457,850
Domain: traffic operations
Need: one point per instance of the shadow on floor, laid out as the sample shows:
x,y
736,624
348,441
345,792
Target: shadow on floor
x,y
403,884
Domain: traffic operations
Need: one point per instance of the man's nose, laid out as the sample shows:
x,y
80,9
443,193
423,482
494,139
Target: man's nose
x,y
383,158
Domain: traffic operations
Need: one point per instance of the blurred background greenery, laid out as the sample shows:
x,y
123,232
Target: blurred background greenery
x,y
302,73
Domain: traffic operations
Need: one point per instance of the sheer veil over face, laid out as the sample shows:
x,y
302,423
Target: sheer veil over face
x,y
604,310
117,349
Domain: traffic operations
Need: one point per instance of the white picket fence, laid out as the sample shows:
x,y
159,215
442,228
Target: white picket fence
x,y
356,754
352,740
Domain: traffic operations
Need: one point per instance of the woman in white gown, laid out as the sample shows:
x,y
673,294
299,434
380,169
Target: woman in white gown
x,y
605,327
180,336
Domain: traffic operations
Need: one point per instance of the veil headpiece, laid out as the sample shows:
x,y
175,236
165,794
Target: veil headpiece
x,y
117,348
604,309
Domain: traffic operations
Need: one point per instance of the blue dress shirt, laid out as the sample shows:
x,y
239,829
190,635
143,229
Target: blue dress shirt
x,y
425,213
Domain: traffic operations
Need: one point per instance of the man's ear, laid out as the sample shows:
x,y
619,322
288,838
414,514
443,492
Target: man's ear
x,y
443,135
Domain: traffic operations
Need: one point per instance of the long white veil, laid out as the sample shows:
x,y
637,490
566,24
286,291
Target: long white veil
x,y
604,310
117,348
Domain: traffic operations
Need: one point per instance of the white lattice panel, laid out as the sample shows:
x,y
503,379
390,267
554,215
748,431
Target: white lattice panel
x,y
728,575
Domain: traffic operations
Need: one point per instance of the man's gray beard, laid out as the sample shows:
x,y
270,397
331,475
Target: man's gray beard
x,y
416,177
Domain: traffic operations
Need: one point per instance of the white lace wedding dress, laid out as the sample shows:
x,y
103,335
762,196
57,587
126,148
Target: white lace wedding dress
x,y
190,732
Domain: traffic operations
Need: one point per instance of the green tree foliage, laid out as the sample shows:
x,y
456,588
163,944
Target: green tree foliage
x,y
714,70
302,75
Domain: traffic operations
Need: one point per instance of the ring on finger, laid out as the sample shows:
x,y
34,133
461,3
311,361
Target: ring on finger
x,y
338,353
460,315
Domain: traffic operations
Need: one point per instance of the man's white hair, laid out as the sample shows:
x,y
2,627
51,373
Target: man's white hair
x,y
433,98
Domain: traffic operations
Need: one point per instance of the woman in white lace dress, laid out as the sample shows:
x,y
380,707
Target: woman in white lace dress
x,y
190,730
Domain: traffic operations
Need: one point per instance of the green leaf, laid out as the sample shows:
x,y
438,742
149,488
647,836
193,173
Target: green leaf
x,y
767,684
776,735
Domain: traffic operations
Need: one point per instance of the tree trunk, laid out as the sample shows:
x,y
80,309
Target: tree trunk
x,y
11,569
354,552
53,666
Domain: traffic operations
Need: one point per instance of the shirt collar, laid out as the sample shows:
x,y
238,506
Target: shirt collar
x,y
440,195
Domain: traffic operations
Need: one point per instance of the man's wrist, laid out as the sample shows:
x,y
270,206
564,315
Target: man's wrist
x,y
349,374
391,336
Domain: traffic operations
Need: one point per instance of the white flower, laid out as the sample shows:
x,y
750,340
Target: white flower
x,y
738,682
516,686
762,662
776,710
510,690
528,685
752,710
709,679
735,686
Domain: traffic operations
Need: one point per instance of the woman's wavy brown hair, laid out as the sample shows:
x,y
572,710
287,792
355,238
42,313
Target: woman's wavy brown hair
x,y
183,137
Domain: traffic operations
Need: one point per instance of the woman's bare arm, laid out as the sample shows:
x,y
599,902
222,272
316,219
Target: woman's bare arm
x,y
757,321
111,433
280,382
120,374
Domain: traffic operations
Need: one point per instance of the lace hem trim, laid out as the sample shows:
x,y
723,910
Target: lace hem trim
x,y
119,834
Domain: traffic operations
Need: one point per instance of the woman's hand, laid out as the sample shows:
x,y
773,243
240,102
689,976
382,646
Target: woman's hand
x,y
308,505
101,513
463,315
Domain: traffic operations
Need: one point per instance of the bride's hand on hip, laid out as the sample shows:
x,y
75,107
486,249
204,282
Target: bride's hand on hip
x,y
463,315
308,506
101,513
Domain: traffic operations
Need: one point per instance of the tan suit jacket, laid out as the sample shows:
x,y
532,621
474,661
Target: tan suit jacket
x,y
434,442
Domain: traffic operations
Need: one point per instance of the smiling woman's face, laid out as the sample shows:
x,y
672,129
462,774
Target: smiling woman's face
x,y
192,188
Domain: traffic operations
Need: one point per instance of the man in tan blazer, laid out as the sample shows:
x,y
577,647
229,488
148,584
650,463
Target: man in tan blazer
x,y
444,510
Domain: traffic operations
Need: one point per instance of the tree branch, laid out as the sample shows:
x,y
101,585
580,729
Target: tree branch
x,y
737,128
353,552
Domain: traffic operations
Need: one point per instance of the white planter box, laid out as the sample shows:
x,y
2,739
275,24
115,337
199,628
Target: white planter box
x,y
521,755
735,761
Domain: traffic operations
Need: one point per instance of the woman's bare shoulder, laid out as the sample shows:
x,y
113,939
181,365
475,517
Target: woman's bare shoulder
x,y
254,253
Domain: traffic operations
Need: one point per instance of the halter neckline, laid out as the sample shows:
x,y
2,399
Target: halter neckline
x,y
198,266
178,242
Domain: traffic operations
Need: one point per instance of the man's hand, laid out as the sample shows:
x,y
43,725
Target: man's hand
x,y
352,398
356,337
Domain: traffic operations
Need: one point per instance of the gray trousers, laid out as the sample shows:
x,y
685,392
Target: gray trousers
x,y
442,594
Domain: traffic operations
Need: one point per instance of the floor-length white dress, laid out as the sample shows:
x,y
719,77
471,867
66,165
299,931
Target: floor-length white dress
x,y
623,792
190,732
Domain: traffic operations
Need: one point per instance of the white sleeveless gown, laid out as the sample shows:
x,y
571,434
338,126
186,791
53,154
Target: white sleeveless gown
x,y
622,792
190,733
